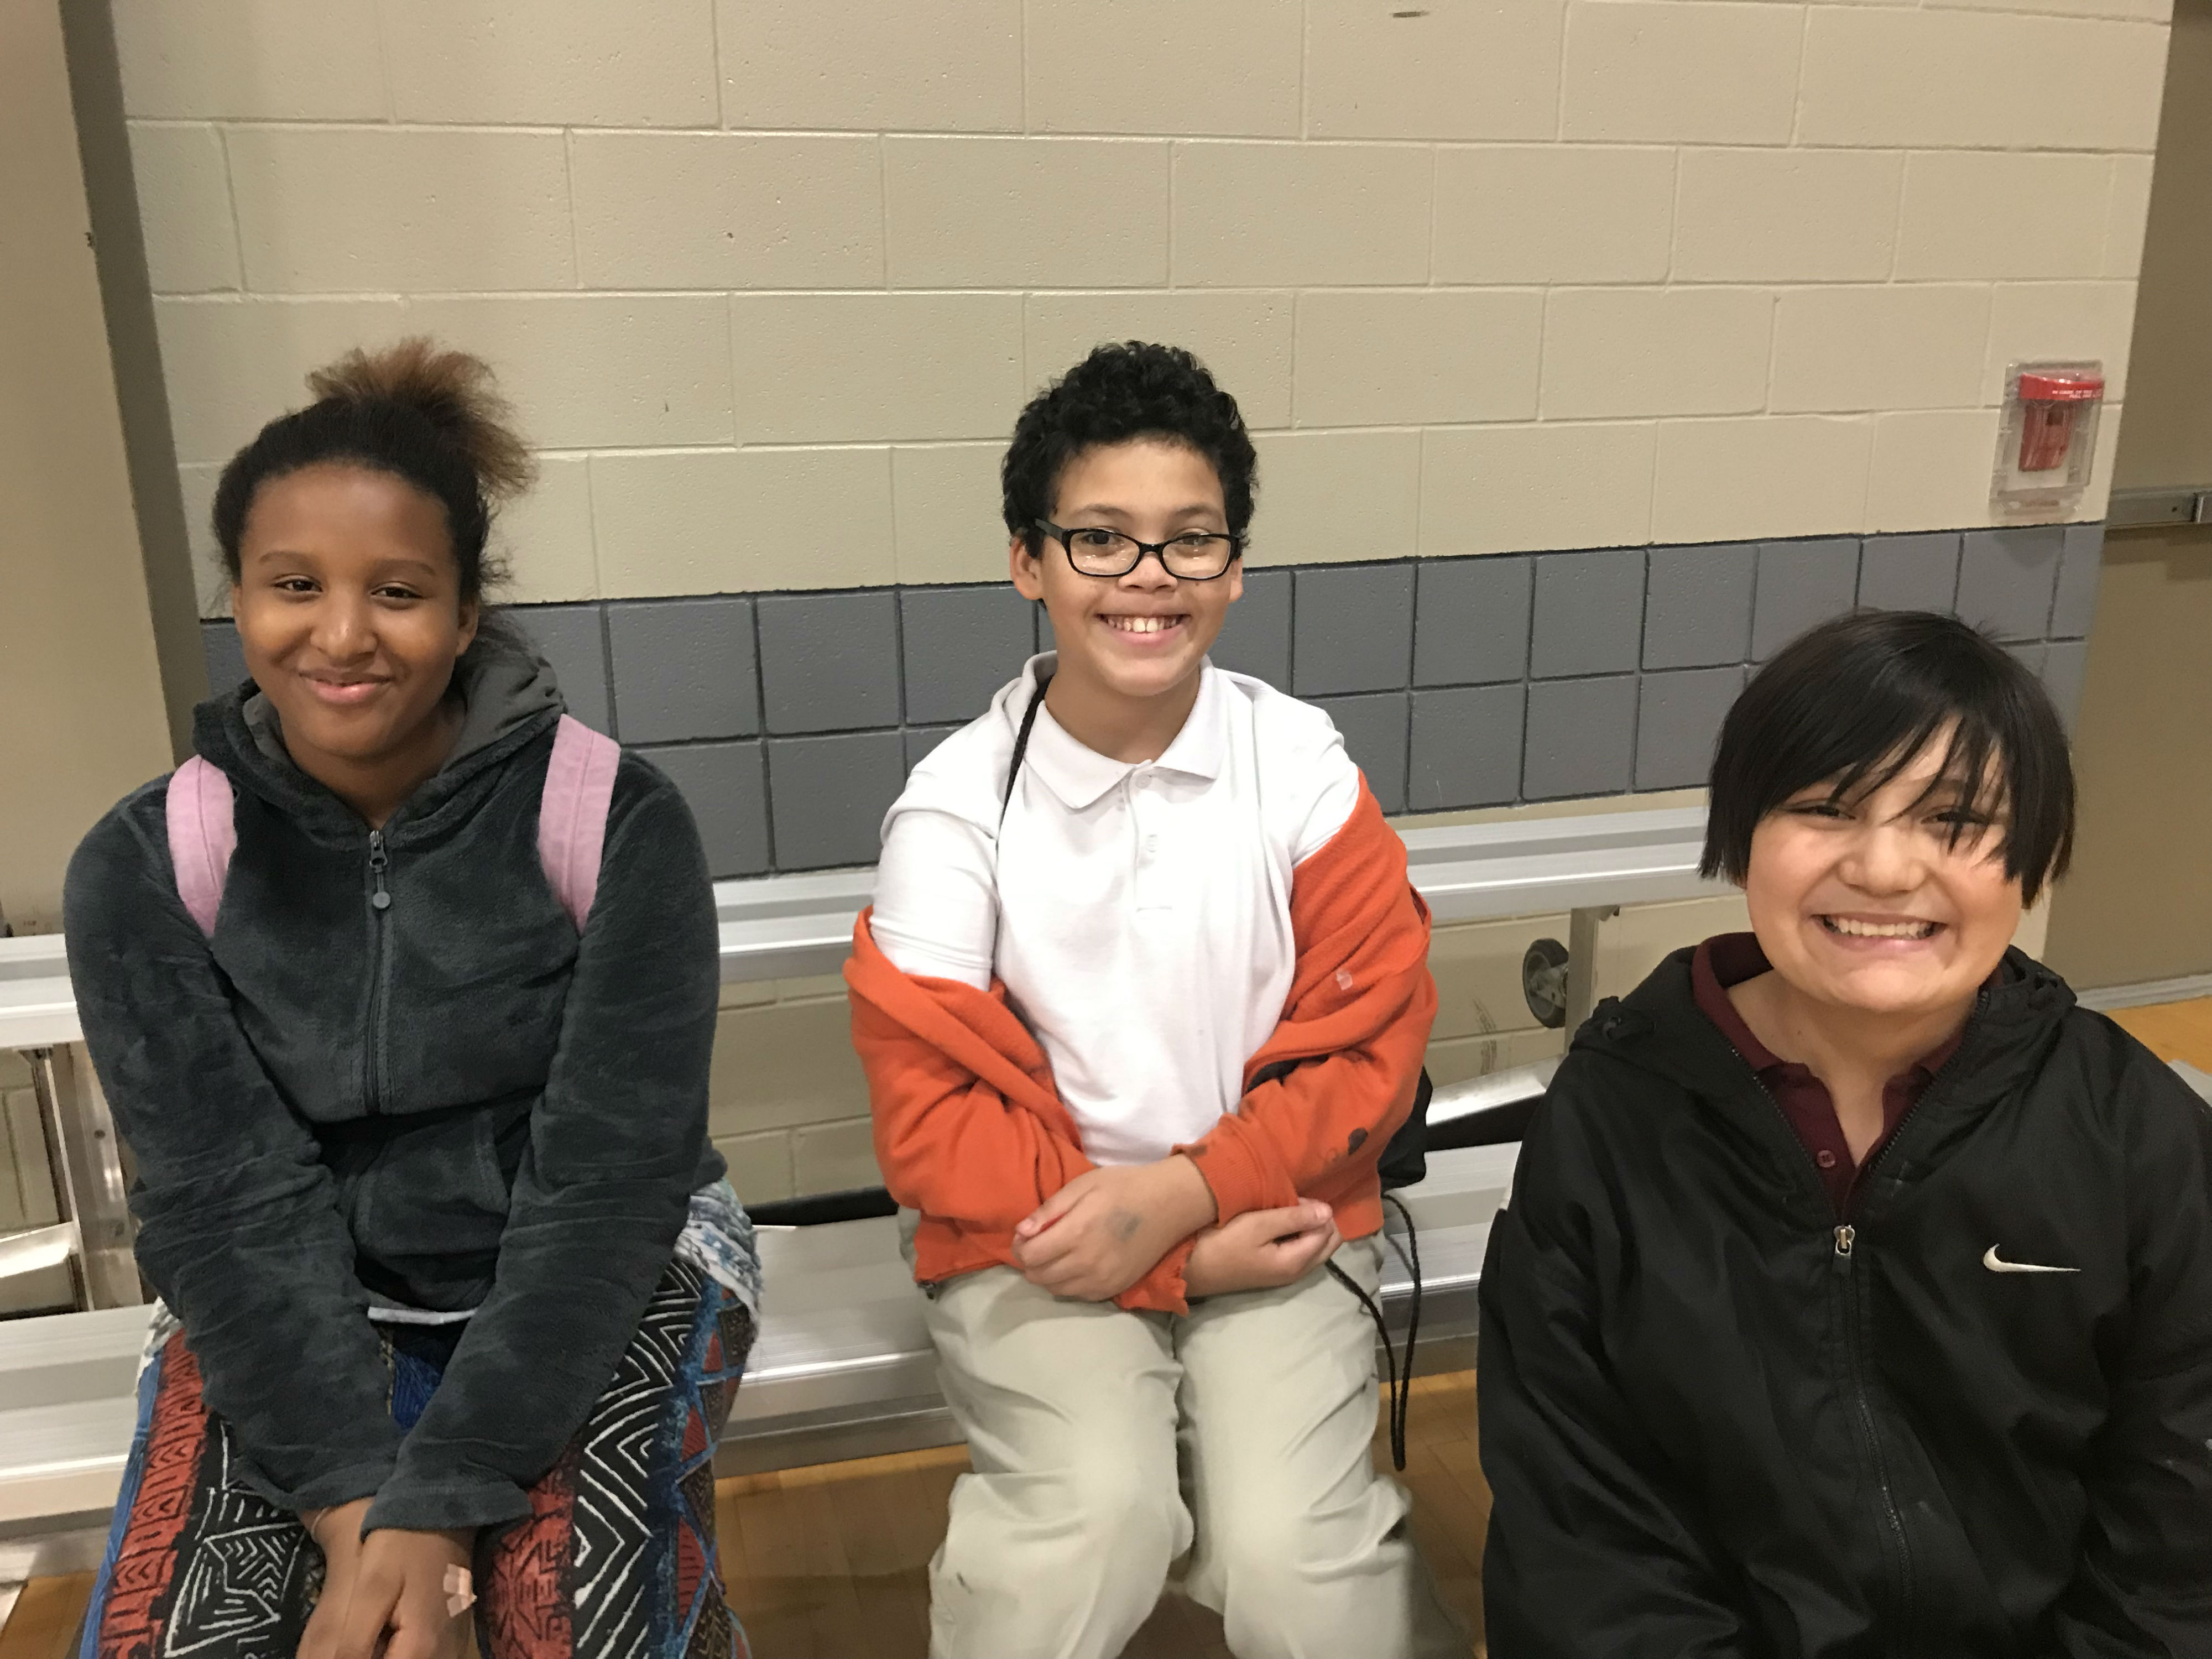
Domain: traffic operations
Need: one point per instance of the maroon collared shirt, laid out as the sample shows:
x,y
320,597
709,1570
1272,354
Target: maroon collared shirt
x,y
1728,959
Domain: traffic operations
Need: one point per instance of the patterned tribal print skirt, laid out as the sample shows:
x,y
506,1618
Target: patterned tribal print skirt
x,y
617,1561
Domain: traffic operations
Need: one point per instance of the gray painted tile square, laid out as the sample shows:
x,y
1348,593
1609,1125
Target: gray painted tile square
x,y
1582,737
1374,729
1255,640
1590,613
2073,607
1678,722
2029,654
1470,619
828,797
727,791
571,638
1801,583
1353,628
962,644
1697,604
2006,579
920,740
1910,573
226,659
2064,662
830,662
683,669
1466,747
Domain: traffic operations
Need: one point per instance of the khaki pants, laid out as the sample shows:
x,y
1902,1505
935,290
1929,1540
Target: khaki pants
x,y
1105,1444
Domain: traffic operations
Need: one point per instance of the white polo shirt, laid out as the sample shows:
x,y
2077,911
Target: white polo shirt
x,y
1140,913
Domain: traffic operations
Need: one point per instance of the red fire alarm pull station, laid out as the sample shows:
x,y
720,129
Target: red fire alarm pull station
x,y
2051,402
2049,442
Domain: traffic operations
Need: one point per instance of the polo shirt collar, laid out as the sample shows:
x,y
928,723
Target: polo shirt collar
x,y
1727,959
1080,776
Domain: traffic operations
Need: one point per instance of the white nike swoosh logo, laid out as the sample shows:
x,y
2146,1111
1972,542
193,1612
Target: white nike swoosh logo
x,y
1998,1264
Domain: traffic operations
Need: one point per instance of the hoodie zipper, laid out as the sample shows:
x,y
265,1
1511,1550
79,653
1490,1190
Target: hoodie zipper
x,y
1845,1240
380,904
1846,1254
1844,1244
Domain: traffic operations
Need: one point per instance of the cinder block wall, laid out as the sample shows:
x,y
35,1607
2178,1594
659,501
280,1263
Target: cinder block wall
x,y
768,279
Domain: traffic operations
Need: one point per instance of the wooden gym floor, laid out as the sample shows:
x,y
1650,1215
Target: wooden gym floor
x,y
2173,1030
831,1562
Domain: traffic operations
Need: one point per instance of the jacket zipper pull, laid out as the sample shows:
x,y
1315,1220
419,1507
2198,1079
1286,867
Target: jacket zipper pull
x,y
377,862
1846,1237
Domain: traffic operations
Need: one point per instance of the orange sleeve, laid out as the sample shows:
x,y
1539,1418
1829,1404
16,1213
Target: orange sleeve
x,y
968,1126
1354,1029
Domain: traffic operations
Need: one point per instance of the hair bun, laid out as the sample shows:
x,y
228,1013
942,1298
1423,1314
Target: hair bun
x,y
454,389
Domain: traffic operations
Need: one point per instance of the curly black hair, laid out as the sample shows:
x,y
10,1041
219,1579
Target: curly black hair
x,y
1132,389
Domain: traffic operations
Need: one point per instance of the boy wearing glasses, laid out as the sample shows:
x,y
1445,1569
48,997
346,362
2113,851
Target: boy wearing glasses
x,y
1143,994
1855,1293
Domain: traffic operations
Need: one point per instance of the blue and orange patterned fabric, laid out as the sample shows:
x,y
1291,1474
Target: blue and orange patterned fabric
x,y
617,1556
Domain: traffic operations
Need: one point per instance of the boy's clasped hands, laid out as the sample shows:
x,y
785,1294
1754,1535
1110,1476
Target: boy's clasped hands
x,y
1106,1229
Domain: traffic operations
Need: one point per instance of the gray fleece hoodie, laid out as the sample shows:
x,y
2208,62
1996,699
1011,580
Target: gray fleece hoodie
x,y
449,1102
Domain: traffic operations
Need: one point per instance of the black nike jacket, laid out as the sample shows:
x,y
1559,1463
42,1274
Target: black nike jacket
x,y
1719,1418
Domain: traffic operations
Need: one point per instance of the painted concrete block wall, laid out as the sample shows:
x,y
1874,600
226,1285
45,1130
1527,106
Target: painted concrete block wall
x,y
768,279
791,721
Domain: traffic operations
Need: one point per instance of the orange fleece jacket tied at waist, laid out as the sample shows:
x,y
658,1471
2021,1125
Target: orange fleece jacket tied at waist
x,y
971,1130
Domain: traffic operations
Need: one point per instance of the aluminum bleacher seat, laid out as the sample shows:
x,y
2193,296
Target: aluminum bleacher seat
x,y
842,1367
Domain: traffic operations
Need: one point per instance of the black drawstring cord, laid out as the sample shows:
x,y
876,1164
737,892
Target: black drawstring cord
x,y
1413,1324
1400,1387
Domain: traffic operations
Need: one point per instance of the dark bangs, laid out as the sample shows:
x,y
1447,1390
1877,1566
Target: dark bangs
x,y
1853,701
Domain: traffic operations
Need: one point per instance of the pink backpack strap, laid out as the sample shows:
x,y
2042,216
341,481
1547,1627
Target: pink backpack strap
x,y
203,835
572,814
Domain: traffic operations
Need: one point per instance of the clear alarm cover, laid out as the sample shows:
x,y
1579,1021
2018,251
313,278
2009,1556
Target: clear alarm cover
x,y
2047,444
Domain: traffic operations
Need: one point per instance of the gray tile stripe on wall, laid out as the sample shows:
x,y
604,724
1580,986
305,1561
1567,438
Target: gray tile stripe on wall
x,y
790,721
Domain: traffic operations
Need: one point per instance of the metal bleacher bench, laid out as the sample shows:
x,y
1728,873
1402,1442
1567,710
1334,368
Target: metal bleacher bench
x,y
842,1367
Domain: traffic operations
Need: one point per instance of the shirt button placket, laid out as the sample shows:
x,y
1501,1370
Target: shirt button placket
x,y
1143,814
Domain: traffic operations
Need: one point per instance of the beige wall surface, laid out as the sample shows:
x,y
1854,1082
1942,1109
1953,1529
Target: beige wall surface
x,y
2138,905
2169,440
768,279
83,720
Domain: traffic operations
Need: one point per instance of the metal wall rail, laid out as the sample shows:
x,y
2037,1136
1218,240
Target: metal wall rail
x,y
38,1019
785,927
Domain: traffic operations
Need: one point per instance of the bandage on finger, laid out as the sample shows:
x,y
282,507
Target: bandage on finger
x,y
460,1591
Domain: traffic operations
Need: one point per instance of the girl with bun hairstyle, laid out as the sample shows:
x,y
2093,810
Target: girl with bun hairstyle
x,y
453,1294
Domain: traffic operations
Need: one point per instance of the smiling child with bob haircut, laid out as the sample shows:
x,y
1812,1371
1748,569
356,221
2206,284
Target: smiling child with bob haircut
x,y
1855,1295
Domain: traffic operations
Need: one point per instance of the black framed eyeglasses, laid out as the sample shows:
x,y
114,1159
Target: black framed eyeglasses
x,y
1198,556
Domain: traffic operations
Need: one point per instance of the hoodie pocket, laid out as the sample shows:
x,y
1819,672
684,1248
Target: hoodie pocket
x,y
438,1186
